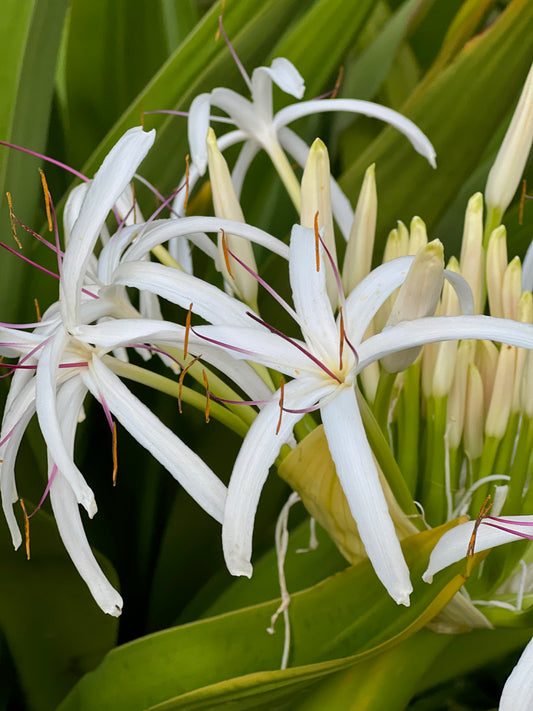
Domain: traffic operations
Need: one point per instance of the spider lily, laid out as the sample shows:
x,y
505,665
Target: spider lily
x,y
324,367
60,364
258,127
476,536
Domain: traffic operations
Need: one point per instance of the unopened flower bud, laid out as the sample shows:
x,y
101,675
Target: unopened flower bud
x,y
473,423
316,198
508,167
446,351
418,297
358,257
457,396
511,288
486,360
524,313
472,254
418,236
527,386
227,206
502,394
496,266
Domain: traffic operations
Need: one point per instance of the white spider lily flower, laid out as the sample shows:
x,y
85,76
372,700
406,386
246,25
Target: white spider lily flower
x,y
490,532
60,364
324,367
258,128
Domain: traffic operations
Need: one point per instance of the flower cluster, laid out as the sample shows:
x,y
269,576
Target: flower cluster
x,y
409,340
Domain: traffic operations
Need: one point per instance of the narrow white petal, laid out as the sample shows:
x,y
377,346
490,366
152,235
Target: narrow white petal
x,y
66,510
246,156
453,545
161,231
182,289
47,413
287,77
197,126
527,270
184,465
517,693
109,183
360,481
240,110
262,347
444,328
418,139
310,294
72,209
365,300
259,450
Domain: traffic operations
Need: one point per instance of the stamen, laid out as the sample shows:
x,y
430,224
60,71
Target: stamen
x,y
26,529
115,455
37,309
12,218
472,543
341,345
281,398
46,200
187,330
226,253
222,31
182,376
46,158
317,243
207,397
186,200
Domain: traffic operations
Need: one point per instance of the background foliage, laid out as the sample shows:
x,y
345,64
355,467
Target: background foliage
x,y
75,75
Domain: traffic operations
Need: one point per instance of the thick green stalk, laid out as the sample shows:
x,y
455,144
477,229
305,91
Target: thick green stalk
x,y
382,400
434,483
409,427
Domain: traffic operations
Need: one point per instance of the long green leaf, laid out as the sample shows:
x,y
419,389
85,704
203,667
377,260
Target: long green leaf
x,y
53,629
458,110
347,614
30,34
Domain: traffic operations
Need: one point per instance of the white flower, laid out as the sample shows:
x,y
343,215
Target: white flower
x,y
60,364
491,532
258,127
324,368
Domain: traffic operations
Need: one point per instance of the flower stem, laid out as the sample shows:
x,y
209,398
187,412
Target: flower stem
x,y
286,173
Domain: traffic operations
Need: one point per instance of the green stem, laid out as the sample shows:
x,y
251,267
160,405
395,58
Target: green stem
x,y
409,427
170,387
286,173
383,399
493,220
505,451
434,483
488,458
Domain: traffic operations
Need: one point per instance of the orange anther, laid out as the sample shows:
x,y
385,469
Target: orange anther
x,y
226,253
317,243
187,329
182,376
337,83
484,511
26,529
522,201
12,218
47,200
37,309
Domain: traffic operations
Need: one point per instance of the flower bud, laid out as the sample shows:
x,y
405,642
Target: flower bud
x,y
502,393
486,360
527,386
446,351
472,254
473,423
511,288
418,237
496,266
316,198
524,313
418,297
227,206
457,397
358,257
508,167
